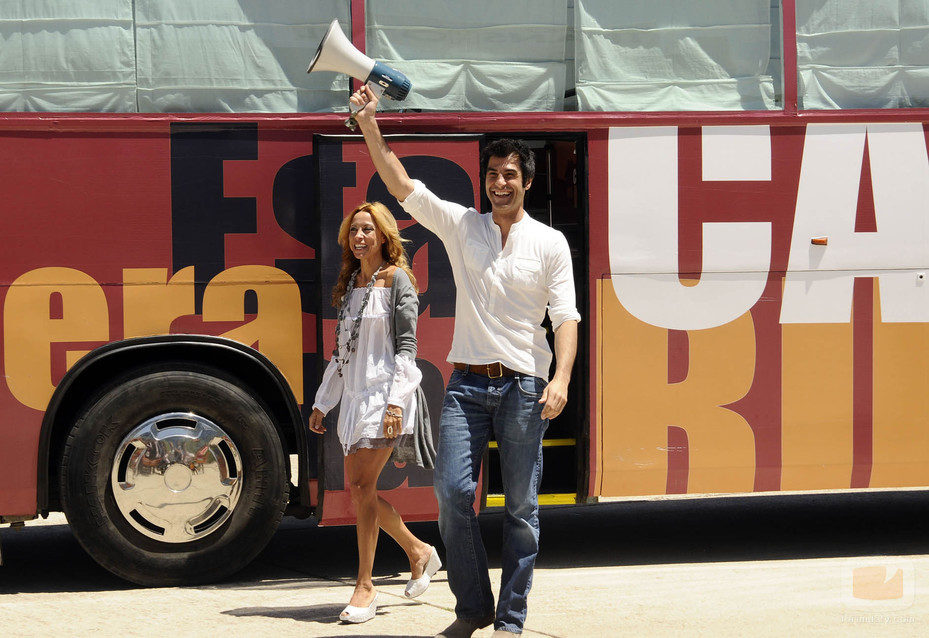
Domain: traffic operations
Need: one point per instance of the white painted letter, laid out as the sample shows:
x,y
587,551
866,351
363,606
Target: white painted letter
x,y
643,224
820,279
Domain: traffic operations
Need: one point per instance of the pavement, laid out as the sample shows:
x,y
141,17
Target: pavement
x,y
654,569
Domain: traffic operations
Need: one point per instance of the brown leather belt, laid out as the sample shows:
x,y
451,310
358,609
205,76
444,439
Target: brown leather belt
x,y
492,370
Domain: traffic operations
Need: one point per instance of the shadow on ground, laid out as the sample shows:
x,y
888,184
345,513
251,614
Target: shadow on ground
x,y
322,614
779,527
48,559
664,532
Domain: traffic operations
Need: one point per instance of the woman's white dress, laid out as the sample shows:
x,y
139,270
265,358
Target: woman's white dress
x,y
372,378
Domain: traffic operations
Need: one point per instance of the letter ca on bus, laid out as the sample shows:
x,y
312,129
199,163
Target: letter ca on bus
x,y
736,256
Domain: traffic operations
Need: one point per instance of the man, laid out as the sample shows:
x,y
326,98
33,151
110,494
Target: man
x,y
507,267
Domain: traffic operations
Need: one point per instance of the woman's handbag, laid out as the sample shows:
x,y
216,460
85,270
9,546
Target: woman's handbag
x,y
418,447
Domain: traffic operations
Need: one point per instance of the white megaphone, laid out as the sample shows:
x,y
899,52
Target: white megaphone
x,y
336,53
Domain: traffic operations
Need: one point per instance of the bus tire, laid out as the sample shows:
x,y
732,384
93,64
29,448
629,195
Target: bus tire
x,y
173,477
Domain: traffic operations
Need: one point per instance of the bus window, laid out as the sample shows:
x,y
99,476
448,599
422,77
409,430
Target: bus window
x,y
677,55
456,53
73,57
235,57
862,55
167,56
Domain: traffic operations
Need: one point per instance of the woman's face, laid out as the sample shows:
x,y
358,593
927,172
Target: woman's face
x,y
364,238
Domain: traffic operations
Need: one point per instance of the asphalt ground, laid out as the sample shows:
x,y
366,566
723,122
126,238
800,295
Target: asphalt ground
x,y
824,565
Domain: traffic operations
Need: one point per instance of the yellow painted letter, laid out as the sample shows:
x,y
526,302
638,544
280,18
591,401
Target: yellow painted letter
x,y
639,405
277,329
151,302
29,328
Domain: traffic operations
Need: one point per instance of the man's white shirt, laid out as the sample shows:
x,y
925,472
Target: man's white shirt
x,y
502,291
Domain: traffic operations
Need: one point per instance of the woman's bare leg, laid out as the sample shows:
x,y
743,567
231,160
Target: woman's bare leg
x,y
417,551
363,467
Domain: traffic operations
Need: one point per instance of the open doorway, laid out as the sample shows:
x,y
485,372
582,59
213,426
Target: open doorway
x,y
558,198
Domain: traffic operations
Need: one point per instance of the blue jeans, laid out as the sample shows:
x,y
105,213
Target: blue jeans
x,y
474,407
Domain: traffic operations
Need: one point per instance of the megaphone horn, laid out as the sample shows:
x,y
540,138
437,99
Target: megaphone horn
x,y
336,53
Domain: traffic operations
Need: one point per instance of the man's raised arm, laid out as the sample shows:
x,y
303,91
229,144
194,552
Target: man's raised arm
x,y
387,164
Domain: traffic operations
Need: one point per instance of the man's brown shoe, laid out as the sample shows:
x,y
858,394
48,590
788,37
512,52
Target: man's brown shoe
x,y
462,628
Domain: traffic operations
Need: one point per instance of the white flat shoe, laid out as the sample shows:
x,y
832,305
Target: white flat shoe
x,y
354,614
416,586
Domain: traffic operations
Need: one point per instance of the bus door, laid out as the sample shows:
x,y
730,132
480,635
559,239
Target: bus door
x,y
346,177
558,198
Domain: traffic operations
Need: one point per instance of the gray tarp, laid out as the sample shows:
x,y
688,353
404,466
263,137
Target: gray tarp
x,y
863,53
167,55
674,55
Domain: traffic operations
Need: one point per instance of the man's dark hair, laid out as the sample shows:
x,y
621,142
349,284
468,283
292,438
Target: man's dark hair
x,y
504,148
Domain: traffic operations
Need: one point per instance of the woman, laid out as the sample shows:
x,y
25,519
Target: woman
x,y
374,375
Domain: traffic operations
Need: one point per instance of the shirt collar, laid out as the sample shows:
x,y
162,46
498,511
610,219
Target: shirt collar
x,y
514,227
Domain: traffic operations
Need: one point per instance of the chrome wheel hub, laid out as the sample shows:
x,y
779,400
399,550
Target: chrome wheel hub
x,y
176,477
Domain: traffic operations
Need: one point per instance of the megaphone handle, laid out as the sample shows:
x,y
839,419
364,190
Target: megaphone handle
x,y
377,89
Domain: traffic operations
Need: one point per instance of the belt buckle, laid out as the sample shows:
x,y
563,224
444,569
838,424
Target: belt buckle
x,y
499,366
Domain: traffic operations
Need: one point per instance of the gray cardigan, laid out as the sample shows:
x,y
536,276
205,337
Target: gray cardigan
x,y
404,304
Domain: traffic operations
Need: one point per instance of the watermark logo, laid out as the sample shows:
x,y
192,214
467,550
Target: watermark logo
x,y
879,585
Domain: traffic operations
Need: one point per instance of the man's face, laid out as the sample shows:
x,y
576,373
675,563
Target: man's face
x,y
503,183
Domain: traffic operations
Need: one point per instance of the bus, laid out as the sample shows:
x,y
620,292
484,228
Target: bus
x,y
750,248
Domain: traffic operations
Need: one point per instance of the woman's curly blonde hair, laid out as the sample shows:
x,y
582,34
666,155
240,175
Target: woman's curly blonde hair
x,y
392,249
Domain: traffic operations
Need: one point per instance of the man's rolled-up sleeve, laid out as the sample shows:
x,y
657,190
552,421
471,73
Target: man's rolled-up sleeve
x,y
438,215
562,302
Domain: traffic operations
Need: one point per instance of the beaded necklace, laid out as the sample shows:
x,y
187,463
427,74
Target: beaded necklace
x,y
356,324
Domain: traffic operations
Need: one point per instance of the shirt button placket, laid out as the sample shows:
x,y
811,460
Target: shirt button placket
x,y
492,288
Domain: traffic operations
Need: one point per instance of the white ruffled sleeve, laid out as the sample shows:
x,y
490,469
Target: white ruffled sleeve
x,y
406,379
329,392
